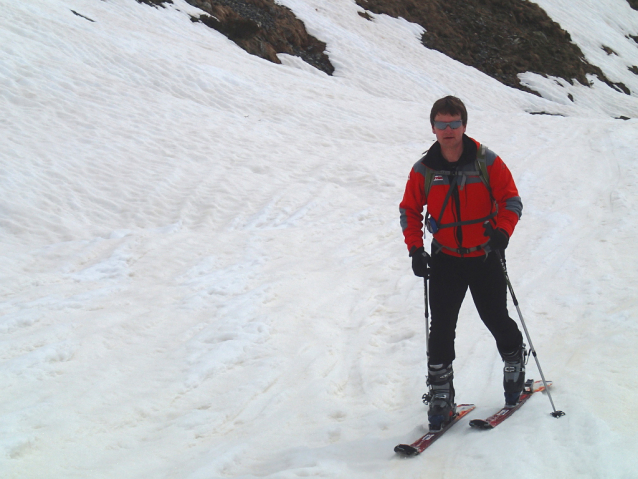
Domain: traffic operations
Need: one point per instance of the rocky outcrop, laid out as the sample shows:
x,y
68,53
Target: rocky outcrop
x,y
501,38
261,27
264,28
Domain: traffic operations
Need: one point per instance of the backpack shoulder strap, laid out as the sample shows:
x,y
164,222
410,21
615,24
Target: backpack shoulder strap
x,y
429,177
481,164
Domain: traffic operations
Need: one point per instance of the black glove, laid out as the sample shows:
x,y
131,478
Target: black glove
x,y
499,239
420,262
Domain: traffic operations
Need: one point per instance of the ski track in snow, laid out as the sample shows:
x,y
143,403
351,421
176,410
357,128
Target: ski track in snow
x,y
203,273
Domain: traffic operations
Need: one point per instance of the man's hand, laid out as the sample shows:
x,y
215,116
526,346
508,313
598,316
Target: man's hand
x,y
499,239
420,262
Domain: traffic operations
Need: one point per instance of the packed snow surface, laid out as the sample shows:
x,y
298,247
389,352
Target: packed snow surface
x,y
203,273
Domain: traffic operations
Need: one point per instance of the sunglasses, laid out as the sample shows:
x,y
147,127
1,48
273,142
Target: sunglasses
x,y
442,125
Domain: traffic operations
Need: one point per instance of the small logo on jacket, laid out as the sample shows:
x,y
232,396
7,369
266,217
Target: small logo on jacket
x,y
438,177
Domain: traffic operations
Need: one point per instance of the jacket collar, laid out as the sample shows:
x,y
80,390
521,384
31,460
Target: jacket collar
x,y
434,159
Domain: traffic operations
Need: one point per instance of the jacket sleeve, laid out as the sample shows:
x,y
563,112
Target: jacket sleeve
x,y
411,210
510,206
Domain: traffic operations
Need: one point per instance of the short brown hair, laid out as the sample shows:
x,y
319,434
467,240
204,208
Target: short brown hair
x,y
449,105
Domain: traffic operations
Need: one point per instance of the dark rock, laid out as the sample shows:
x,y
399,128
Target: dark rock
x,y
264,28
82,16
155,3
365,15
261,27
544,113
621,87
608,50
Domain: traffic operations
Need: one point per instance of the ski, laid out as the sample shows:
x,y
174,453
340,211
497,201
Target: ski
x,y
506,411
425,441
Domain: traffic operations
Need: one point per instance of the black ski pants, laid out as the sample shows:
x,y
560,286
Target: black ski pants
x,y
450,277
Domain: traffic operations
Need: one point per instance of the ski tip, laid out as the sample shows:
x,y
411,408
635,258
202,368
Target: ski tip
x,y
463,409
480,424
406,450
539,385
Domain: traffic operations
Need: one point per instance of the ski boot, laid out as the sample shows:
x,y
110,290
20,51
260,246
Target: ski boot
x,y
440,396
514,375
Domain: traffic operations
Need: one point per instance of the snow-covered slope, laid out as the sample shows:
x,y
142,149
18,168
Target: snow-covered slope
x,y
203,273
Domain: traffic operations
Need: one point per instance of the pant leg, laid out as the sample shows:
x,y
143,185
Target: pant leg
x,y
489,292
448,285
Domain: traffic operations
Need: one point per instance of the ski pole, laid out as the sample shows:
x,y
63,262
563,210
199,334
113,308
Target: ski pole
x,y
427,307
427,318
426,397
555,413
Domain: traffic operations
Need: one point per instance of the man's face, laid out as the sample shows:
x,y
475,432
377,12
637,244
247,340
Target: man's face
x,y
449,138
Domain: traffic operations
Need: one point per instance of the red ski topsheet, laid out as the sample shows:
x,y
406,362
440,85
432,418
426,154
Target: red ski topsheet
x,y
421,444
505,412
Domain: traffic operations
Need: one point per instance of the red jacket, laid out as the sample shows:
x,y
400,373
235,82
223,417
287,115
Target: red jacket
x,y
467,202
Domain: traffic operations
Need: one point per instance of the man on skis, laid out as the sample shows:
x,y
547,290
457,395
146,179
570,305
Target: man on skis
x,y
472,207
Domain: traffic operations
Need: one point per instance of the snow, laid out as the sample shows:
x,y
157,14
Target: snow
x,y
203,273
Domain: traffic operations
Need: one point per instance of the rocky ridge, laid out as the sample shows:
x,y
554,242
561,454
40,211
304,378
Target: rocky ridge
x,y
501,38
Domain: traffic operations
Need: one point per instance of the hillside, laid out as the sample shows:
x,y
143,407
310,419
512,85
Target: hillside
x,y
502,38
